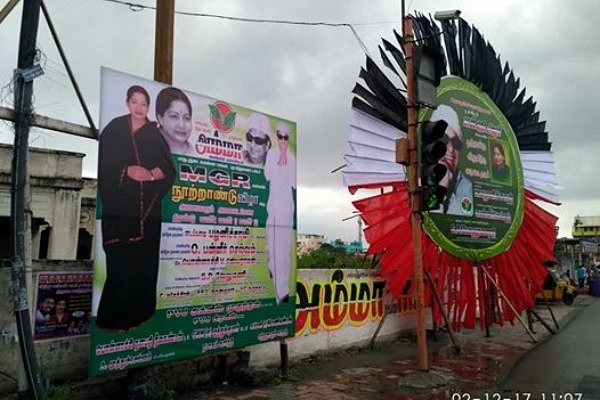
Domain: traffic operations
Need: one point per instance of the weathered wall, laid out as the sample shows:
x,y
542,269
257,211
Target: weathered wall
x,y
336,309
45,163
60,208
56,185
58,359
8,329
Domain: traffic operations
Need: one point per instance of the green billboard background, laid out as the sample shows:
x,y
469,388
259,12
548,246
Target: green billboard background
x,y
214,291
490,211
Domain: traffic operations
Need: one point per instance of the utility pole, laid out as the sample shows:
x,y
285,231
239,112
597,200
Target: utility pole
x,y
414,192
163,42
21,257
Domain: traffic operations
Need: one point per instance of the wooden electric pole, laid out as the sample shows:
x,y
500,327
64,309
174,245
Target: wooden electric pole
x,y
163,42
415,193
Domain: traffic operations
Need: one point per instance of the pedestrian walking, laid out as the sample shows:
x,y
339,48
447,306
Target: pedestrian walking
x,y
581,275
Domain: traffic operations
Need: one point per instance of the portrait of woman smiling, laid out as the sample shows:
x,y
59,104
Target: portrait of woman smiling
x,y
174,118
500,171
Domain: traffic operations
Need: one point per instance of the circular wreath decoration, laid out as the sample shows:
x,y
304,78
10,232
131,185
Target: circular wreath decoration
x,y
502,285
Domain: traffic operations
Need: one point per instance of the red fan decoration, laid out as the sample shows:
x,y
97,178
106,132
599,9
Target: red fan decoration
x,y
503,284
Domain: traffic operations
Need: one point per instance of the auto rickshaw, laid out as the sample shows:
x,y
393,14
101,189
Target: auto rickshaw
x,y
557,287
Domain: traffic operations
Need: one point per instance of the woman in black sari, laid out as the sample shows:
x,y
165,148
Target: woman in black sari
x,y
135,172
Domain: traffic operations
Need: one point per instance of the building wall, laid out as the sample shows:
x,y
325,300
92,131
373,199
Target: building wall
x,y
324,326
586,227
59,208
336,309
65,359
87,220
56,184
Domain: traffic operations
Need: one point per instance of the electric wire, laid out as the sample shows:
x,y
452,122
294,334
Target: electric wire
x,y
139,7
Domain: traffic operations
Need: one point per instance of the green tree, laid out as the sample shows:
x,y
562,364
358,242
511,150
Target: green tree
x,y
333,257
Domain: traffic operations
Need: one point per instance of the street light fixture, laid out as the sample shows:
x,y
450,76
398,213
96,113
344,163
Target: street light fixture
x,y
450,15
446,15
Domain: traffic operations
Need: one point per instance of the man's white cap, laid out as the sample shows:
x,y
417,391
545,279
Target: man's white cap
x,y
449,115
259,123
283,128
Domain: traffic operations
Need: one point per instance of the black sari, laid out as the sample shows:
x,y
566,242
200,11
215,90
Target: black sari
x,y
131,221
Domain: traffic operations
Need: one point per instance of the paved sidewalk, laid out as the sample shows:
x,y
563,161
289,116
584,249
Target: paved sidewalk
x,y
389,371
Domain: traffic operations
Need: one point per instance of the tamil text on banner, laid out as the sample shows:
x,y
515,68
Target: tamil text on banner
x,y
196,226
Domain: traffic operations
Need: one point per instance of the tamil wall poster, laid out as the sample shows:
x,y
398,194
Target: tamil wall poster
x,y
196,223
63,302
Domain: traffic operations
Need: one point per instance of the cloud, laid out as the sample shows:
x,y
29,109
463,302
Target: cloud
x,y
306,74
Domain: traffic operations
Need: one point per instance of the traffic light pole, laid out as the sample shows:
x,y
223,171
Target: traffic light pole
x,y
414,193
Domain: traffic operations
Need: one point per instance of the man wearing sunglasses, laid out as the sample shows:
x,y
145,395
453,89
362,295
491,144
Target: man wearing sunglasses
x,y
280,172
459,186
258,140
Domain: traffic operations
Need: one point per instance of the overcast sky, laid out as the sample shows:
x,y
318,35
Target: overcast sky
x,y
305,74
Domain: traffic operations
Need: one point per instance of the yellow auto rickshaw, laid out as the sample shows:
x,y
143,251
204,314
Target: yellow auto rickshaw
x,y
557,287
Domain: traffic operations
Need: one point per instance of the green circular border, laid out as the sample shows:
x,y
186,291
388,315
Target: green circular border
x,y
453,83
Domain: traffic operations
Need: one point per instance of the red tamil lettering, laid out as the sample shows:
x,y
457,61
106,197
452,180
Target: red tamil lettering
x,y
334,315
359,312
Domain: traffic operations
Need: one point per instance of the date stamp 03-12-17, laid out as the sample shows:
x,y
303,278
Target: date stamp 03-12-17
x,y
518,396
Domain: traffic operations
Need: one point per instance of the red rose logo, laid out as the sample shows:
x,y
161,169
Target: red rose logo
x,y
221,116
466,205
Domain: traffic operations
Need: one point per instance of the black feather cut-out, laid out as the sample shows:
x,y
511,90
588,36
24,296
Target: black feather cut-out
x,y
467,56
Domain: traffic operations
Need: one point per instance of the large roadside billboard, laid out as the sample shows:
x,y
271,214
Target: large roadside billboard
x,y
196,226
483,209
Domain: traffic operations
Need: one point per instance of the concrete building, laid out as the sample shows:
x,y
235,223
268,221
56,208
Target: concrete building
x,y
586,227
62,204
62,212
354,247
308,242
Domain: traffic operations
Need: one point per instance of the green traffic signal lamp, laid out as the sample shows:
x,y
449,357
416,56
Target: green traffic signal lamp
x,y
432,197
433,148
432,193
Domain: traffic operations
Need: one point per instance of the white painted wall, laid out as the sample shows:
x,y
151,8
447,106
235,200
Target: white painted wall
x,y
328,339
67,359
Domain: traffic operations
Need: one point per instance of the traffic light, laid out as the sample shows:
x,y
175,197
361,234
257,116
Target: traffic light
x,y
432,149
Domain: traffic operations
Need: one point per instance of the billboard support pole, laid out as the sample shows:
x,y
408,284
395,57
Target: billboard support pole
x,y
414,193
63,57
440,303
485,313
510,305
163,41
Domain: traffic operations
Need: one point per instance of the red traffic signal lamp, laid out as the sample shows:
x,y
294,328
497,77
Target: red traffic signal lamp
x,y
432,149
